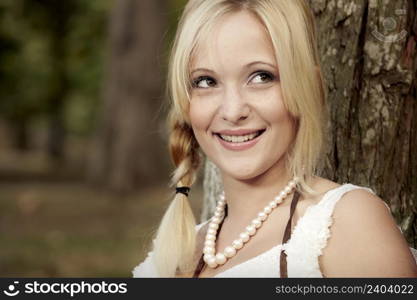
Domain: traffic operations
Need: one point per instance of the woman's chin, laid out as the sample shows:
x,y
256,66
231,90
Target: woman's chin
x,y
242,174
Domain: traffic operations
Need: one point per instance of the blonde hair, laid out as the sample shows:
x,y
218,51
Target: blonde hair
x,y
290,25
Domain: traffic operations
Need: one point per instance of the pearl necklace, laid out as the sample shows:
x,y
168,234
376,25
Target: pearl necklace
x,y
210,257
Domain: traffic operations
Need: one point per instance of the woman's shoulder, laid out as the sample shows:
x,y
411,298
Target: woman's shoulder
x,y
335,191
362,221
322,184
351,197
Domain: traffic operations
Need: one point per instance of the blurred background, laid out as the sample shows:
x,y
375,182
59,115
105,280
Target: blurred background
x,y
84,165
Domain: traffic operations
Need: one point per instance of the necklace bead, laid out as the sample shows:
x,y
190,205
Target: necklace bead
x,y
209,243
210,237
216,220
219,209
217,214
251,230
213,259
257,223
220,258
262,216
229,252
237,244
244,236
214,226
209,250
211,262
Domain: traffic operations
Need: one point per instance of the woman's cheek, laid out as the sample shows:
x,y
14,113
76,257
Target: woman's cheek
x,y
272,107
201,114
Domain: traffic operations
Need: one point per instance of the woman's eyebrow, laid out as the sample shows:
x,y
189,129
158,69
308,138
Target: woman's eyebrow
x,y
203,70
261,63
246,66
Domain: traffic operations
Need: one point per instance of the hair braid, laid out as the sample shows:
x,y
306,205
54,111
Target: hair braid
x,y
177,228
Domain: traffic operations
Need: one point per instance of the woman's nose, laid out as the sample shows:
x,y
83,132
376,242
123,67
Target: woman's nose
x,y
234,107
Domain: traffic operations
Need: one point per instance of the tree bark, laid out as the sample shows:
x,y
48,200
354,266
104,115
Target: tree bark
x,y
367,51
127,149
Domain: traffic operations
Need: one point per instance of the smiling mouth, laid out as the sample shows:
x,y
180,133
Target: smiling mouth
x,y
240,138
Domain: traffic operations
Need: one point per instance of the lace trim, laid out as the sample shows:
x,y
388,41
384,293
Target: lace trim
x,y
312,233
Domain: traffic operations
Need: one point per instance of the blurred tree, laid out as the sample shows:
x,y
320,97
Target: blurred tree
x,y
128,149
52,18
368,53
51,57
16,105
86,55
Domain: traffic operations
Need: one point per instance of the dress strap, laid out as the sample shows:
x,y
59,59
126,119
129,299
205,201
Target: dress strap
x,y
199,246
287,235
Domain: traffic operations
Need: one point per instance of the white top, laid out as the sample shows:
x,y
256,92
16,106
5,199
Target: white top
x,y
303,249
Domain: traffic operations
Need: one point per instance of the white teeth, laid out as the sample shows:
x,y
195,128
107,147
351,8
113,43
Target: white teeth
x,y
239,138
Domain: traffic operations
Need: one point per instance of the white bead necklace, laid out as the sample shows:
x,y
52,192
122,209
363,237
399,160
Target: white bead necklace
x,y
210,257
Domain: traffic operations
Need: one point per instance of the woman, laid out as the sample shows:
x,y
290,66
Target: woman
x,y
246,89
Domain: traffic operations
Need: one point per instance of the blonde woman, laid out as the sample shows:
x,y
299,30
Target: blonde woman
x,y
246,90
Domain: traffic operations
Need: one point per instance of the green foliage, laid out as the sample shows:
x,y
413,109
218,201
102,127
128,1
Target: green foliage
x,y
48,46
19,73
40,39
85,63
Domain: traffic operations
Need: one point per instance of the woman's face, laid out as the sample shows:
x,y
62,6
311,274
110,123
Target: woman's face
x,y
236,110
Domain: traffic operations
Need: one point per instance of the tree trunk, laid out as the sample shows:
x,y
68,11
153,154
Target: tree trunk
x,y
58,22
368,58
127,149
20,134
59,90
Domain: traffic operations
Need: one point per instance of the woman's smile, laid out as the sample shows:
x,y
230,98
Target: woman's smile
x,y
239,140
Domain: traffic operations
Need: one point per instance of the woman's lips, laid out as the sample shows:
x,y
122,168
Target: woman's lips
x,y
239,146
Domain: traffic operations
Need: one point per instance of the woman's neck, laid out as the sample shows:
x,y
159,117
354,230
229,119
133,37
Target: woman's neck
x,y
246,198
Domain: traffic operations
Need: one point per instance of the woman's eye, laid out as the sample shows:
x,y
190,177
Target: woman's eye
x,y
203,82
262,77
